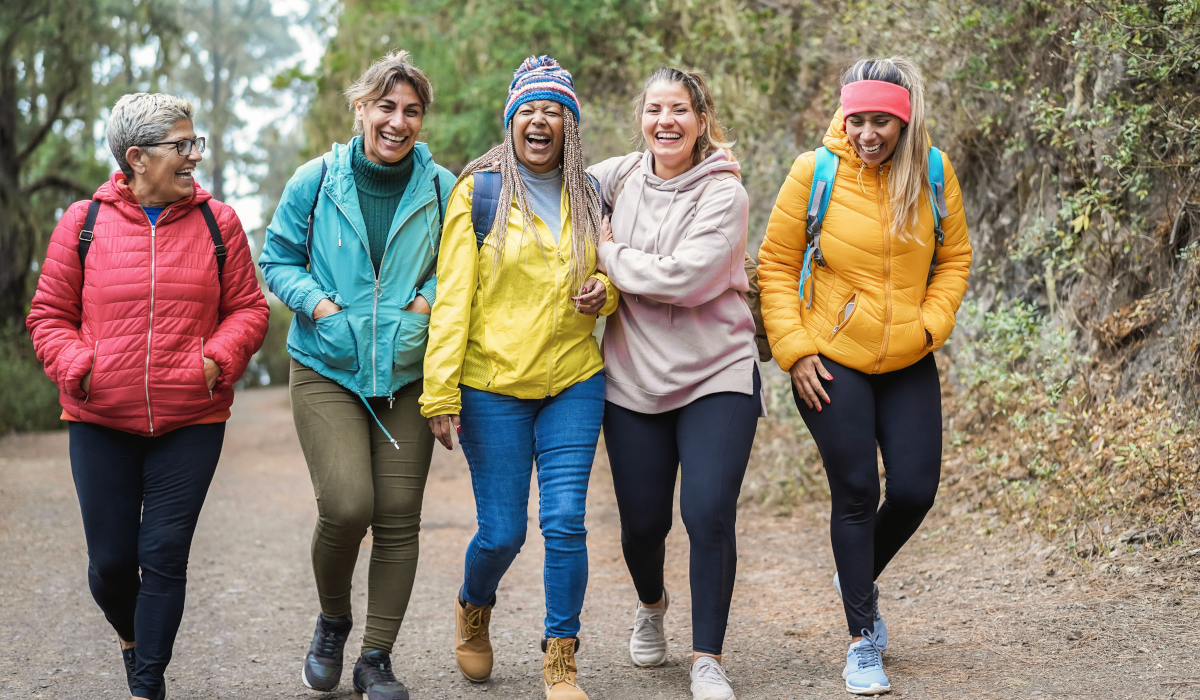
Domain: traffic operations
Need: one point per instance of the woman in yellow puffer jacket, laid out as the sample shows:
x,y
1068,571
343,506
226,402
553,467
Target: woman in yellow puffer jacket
x,y
511,354
857,339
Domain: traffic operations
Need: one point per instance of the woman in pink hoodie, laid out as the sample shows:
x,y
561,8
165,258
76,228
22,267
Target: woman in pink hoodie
x,y
683,385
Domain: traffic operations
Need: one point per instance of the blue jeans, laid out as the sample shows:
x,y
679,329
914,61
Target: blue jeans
x,y
502,437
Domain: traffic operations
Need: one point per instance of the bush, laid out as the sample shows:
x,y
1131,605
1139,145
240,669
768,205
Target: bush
x,y
270,365
28,399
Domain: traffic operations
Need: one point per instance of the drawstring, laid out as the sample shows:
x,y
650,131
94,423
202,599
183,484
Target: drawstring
x,y
861,186
658,231
380,423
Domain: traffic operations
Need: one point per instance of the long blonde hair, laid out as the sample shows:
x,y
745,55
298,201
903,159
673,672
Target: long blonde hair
x,y
713,137
908,182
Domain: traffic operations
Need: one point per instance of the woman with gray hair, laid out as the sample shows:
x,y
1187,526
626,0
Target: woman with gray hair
x,y
351,250
145,356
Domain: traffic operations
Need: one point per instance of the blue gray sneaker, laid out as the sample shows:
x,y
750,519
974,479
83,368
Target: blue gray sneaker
x,y
374,680
864,668
322,668
881,636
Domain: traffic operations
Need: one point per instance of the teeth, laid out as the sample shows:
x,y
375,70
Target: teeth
x,y
393,139
872,149
669,136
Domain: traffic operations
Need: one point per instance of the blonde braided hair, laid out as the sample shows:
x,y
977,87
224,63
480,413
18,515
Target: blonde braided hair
x,y
582,198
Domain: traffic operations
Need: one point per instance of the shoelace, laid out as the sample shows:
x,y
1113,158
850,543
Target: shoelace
x,y
644,621
558,661
474,622
327,643
711,673
379,670
868,654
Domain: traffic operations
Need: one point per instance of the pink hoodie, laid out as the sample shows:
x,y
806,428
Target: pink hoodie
x,y
682,329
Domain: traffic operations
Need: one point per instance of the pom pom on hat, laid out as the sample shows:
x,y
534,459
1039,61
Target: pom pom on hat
x,y
540,78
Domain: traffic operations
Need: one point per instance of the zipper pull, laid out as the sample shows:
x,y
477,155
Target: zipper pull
x,y
391,399
339,239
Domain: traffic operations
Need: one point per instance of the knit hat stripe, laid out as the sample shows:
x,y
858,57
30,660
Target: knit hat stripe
x,y
541,78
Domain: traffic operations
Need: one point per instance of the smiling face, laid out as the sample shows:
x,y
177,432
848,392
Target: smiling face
x,y
538,135
160,175
671,126
391,124
874,135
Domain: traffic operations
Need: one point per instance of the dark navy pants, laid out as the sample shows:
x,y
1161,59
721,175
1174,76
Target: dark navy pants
x,y
140,498
901,412
708,443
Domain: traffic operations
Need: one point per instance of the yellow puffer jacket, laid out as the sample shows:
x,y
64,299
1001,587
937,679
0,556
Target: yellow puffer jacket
x,y
513,330
883,275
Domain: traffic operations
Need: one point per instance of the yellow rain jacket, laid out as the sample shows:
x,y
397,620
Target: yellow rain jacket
x,y
884,276
512,330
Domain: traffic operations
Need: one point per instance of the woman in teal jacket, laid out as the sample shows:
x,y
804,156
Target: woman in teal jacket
x,y
351,250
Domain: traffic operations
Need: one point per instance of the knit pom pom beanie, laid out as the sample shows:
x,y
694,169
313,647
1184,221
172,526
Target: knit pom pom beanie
x,y
540,78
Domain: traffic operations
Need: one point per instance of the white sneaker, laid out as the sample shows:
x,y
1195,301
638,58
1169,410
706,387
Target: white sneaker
x,y
648,645
709,681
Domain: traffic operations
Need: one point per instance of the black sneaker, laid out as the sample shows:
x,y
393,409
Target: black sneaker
x,y
374,680
129,656
322,668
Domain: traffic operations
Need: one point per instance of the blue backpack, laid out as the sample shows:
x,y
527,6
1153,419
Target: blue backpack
x,y
485,200
824,175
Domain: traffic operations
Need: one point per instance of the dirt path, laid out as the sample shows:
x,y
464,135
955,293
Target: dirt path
x,y
969,617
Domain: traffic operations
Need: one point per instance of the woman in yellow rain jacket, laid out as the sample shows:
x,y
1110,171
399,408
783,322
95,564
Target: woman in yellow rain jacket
x,y
857,336
511,354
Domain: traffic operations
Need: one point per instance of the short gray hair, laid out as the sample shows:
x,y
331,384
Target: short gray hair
x,y
143,118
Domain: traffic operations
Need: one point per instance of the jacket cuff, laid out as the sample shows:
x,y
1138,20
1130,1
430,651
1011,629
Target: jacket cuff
x,y
429,290
939,335
75,370
310,302
612,295
603,250
792,347
217,352
446,406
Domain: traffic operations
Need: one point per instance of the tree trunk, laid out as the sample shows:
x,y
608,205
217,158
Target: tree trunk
x,y
14,239
217,136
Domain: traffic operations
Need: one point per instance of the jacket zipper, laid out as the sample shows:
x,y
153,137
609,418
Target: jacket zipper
x,y
95,354
150,329
887,268
202,369
375,293
852,302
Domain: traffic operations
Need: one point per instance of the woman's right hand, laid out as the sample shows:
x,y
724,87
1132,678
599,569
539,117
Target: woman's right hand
x,y
807,373
442,426
325,307
86,384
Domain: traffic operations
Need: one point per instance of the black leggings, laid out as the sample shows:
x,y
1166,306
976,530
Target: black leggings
x,y
140,498
902,412
711,439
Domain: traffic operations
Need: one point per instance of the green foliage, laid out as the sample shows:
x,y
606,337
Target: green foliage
x,y
29,400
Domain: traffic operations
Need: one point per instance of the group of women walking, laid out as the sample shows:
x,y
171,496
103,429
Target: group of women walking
x,y
428,307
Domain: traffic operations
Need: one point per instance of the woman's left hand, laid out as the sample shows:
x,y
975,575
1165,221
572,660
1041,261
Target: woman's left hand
x,y
418,306
212,371
592,299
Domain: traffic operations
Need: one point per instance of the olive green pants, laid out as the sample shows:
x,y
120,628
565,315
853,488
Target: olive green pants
x,y
361,479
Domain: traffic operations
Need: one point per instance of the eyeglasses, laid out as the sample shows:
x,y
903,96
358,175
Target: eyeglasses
x,y
183,147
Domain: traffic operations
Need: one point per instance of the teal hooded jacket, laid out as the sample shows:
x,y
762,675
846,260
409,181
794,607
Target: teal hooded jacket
x,y
372,347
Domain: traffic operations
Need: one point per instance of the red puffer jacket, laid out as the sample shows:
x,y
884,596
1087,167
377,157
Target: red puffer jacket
x,y
150,309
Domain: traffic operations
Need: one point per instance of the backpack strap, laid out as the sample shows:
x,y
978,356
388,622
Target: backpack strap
x,y
485,199
937,202
215,232
437,193
313,210
819,193
85,235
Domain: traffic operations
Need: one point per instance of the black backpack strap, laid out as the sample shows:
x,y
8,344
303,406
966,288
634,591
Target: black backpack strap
x,y
215,232
437,192
85,235
313,210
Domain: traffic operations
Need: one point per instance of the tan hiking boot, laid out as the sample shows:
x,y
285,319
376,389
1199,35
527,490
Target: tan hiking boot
x,y
558,670
472,645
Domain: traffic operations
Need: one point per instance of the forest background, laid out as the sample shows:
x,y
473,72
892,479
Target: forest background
x,y
1071,382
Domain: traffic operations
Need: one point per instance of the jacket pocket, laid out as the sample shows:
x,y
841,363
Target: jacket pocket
x,y
203,374
412,337
336,344
845,312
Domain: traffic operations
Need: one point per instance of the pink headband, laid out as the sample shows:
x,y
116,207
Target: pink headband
x,y
875,96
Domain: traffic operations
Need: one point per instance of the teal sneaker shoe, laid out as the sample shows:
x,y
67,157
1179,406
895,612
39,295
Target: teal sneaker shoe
x,y
322,668
881,636
374,680
864,668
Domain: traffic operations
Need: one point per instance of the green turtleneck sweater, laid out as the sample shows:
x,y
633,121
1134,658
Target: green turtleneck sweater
x,y
380,189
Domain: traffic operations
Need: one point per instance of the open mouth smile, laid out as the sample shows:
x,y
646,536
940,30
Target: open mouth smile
x,y
871,150
391,140
666,137
537,142
184,174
